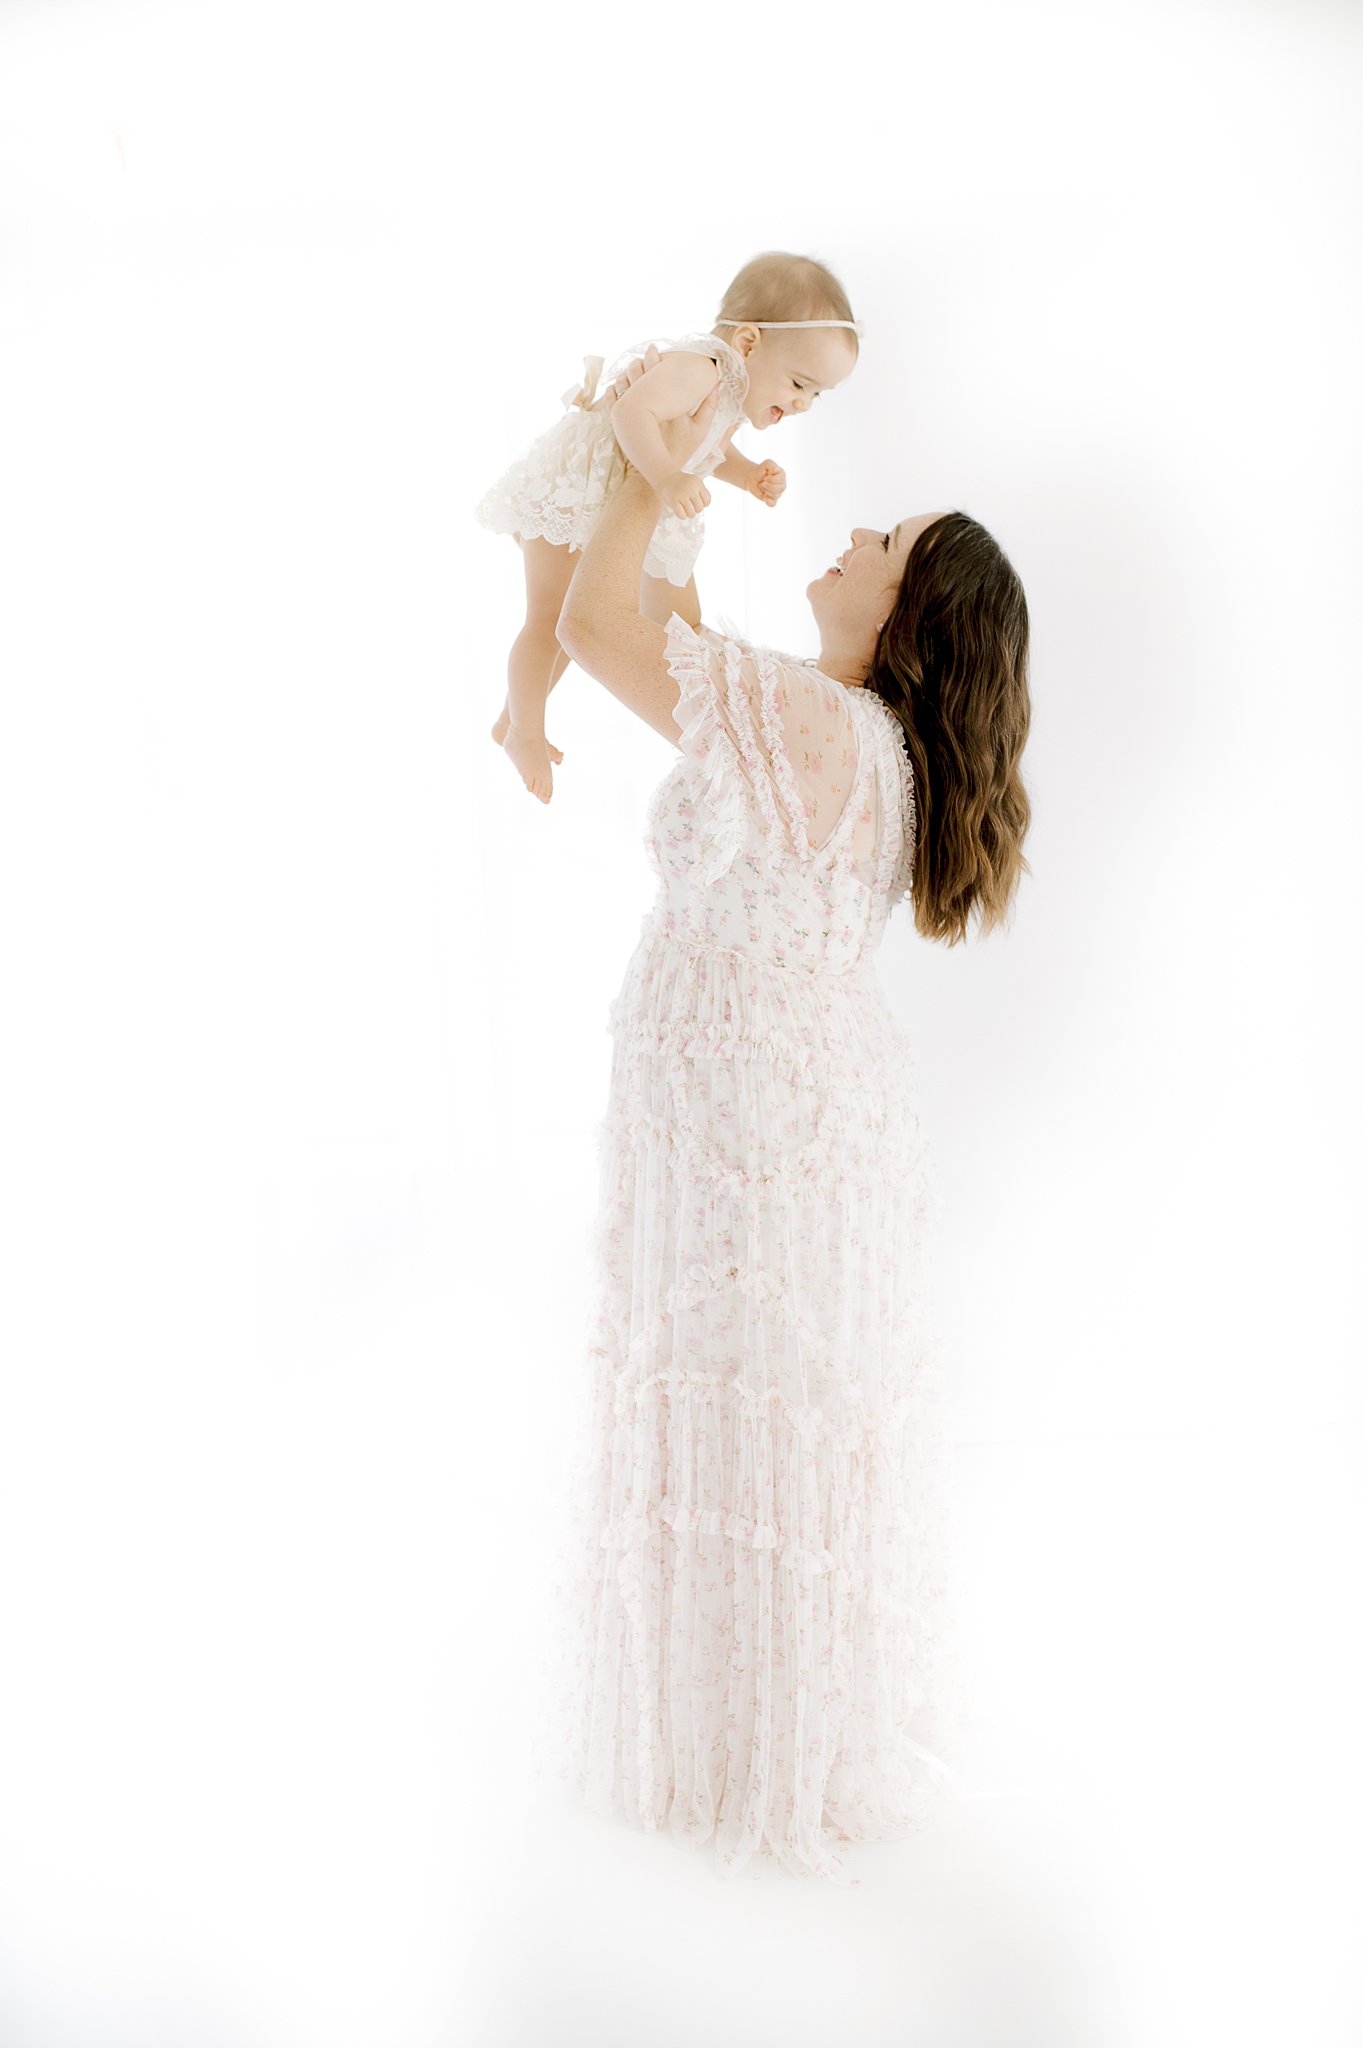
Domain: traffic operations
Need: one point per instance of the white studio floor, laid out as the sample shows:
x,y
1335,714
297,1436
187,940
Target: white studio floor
x,y
273,1791
1145,1851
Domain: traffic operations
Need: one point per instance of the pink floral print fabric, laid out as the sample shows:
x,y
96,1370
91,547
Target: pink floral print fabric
x,y
752,1591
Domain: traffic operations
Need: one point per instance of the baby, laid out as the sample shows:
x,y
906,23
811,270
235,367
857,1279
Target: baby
x,y
788,335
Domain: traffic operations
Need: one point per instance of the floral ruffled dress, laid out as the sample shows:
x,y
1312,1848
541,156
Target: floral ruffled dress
x,y
752,1594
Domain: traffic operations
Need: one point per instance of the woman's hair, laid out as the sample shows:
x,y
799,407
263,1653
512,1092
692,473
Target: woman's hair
x,y
779,286
951,662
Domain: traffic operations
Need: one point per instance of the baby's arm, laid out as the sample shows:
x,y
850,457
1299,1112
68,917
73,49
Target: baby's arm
x,y
735,469
766,480
676,384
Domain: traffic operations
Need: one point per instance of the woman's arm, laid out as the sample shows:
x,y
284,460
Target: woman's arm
x,y
600,625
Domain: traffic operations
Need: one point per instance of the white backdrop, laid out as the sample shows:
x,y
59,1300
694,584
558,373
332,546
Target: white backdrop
x,y
306,998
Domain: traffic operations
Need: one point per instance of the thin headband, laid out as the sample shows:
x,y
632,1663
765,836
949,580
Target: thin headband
x,y
855,325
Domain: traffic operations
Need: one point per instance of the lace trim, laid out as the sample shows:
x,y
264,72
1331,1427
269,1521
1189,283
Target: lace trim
x,y
765,669
693,1041
726,1482
828,1065
822,1164
794,1180
848,1432
895,864
714,760
768,666
823,1357
738,706
905,1335
675,549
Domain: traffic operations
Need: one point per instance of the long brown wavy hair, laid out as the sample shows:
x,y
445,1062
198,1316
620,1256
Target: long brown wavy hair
x,y
951,663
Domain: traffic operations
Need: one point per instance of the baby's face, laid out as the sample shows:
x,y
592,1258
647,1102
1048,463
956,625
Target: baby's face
x,y
788,367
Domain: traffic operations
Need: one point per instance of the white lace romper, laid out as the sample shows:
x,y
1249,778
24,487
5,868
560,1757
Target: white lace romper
x,y
558,487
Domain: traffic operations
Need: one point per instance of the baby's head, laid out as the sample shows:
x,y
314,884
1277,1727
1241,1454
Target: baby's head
x,y
787,366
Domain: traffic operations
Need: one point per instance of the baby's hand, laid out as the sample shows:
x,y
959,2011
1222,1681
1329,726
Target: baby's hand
x,y
767,482
683,495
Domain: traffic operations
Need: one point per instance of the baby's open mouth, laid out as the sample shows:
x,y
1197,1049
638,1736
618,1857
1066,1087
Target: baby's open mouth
x,y
776,414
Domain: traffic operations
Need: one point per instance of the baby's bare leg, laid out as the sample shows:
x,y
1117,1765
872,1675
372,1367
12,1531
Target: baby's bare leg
x,y
503,725
658,599
535,661
561,661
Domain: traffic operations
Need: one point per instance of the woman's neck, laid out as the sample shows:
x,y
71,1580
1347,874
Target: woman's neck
x,y
843,668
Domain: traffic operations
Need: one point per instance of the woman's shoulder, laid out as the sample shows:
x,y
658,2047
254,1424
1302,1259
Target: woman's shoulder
x,y
799,670
774,663
724,633
723,636
768,679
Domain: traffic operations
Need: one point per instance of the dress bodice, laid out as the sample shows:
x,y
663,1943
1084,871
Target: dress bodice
x,y
786,828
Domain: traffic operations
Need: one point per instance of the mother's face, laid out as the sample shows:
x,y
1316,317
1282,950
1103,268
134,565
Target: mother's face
x,y
854,598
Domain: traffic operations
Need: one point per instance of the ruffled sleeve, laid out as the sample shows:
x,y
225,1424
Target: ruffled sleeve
x,y
900,880
771,745
718,749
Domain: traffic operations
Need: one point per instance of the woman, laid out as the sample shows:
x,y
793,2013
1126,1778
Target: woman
x,y
754,1570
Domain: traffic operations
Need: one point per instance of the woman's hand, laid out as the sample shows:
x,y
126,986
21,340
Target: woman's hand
x,y
631,374
767,482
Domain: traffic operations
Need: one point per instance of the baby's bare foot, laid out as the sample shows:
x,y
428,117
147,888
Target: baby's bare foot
x,y
503,727
530,753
